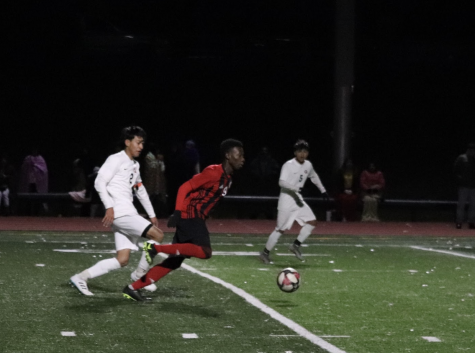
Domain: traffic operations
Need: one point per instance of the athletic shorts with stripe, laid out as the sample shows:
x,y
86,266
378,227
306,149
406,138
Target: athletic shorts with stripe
x,y
128,230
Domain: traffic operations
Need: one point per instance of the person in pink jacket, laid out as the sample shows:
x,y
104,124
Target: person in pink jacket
x,y
372,184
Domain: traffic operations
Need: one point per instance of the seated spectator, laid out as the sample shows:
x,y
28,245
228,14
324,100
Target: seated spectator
x,y
372,184
347,191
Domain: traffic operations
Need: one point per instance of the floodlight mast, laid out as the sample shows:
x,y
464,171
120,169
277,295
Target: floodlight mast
x,y
344,80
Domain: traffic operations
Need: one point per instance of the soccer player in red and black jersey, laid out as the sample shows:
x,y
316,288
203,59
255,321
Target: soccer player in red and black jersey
x,y
195,199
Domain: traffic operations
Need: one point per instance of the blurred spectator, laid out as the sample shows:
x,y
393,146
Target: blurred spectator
x,y
173,172
79,176
191,160
372,184
92,195
184,162
464,168
154,180
34,179
162,187
347,191
6,175
264,171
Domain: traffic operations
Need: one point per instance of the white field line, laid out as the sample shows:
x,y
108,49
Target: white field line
x,y
453,253
271,312
215,253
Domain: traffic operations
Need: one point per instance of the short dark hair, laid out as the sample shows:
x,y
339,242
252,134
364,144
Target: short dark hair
x,y
301,145
129,132
228,145
471,146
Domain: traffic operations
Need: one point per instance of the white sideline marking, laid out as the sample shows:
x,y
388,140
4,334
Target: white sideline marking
x,y
445,252
217,253
68,333
431,339
256,253
40,265
271,312
89,251
190,335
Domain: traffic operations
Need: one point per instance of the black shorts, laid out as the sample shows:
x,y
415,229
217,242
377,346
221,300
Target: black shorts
x,y
193,231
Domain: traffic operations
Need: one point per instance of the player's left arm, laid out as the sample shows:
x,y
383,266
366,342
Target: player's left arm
x,y
142,195
318,183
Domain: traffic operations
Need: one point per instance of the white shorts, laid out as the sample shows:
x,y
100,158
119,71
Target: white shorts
x,y
128,230
287,216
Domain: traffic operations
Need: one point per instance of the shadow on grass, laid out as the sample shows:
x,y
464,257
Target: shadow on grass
x,y
283,303
98,305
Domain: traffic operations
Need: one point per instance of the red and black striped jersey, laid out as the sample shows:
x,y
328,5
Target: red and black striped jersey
x,y
200,194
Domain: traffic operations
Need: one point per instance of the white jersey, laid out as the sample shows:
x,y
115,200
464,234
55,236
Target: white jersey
x,y
114,183
292,178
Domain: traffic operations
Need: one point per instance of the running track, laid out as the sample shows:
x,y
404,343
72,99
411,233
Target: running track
x,y
245,226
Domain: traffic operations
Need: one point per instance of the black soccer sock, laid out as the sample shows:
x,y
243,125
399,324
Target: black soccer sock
x,y
296,242
266,251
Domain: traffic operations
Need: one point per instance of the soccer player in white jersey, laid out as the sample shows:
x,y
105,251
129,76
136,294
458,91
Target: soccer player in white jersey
x,y
117,181
291,206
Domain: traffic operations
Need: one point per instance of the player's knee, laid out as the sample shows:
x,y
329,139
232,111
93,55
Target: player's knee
x,y
312,223
172,262
123,261
156,234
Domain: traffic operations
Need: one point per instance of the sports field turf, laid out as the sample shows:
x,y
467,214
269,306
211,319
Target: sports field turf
x,y
358,294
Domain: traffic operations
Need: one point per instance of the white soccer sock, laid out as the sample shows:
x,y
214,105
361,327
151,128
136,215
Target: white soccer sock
x,y
305,232
143,265
273,239
101,268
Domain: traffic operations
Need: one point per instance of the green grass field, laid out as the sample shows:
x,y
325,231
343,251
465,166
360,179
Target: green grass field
x,y
358,294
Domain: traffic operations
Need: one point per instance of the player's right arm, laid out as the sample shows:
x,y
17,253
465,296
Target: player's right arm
x,y
285,177
104,176
288,187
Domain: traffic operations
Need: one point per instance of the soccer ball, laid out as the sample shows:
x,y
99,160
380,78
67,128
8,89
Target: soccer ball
x,y
288,280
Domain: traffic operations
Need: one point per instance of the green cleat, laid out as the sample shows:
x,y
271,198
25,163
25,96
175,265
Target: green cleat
x,y
132,294
150,252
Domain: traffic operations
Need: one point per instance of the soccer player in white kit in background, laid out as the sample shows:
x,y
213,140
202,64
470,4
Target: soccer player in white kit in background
x,y
117,180
291,206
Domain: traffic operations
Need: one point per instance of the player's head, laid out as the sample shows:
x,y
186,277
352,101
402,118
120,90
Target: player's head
x,y
301,145
232,153
301,149
133,138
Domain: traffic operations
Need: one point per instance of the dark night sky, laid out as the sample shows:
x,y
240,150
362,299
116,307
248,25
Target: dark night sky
x,y
260,71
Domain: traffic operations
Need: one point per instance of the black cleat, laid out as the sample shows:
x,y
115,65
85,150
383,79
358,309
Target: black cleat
x,y
132,294
150,252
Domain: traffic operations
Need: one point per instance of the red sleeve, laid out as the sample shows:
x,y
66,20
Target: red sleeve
x,y
193,184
